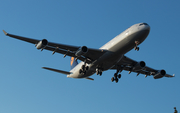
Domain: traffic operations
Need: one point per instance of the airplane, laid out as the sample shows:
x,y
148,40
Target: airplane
x,y
110,56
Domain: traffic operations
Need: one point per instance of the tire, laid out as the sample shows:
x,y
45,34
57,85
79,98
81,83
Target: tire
x,y
119,76
115,75
137,49
87,68
80,71
112,79
83,67
100,73
116,80
97,72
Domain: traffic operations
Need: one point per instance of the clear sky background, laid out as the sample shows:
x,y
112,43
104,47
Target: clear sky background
x,y
26,88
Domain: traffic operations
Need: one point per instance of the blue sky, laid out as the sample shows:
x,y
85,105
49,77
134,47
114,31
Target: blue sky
x,y
26,88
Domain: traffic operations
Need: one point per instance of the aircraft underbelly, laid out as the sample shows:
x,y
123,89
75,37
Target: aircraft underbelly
x,y
116,50
119,49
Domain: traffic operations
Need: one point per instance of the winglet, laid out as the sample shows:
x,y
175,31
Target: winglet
x,y
5,32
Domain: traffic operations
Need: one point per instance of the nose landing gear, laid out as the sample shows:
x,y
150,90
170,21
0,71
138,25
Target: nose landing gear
x,y
98,72
136,47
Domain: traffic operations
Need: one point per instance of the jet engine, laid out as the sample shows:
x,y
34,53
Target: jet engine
x,y
140,65
160,74
42,44
81,51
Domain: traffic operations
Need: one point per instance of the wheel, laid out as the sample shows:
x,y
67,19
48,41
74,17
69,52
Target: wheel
x,y
100,73
119,76
116,80
137,48
83,67
87,67
97,72
115,75
80,71
112,79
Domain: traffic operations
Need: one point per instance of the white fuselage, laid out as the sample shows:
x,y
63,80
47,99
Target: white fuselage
x,y
117,47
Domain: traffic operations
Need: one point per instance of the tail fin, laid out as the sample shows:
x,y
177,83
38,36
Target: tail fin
x,y
73,62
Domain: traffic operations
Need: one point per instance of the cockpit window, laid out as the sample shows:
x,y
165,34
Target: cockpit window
x,y
143,24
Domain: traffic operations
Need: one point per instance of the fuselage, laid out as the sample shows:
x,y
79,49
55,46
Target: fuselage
x,y
116,48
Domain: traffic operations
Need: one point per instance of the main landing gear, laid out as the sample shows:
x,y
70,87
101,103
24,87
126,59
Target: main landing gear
x,y
83,69
136,47
116,76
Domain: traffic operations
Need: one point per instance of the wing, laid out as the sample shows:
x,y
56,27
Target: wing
x,y
140,68
68,50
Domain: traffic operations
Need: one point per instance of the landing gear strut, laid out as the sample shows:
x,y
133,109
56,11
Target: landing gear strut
x,y
98,72
136,47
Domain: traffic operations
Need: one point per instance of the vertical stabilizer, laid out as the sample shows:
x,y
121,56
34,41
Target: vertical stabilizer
x,y
73,62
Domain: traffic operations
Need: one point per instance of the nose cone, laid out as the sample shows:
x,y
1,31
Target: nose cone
x,y
144,26
147,27
143,30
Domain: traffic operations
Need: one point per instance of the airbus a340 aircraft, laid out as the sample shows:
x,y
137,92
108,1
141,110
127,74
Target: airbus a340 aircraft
x,y
109,56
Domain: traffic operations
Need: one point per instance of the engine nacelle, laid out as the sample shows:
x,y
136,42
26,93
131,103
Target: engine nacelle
x,y
160,74
81,51
42,44
140,65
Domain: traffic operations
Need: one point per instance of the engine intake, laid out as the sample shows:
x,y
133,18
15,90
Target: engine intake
x,y
42,44
139,66
81,51
160,74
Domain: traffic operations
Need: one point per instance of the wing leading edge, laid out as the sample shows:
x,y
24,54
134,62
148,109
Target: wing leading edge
x,y
68,50
134,66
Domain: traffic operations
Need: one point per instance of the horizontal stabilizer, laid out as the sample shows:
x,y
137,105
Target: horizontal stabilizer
x,y
56,70
5,32
167,75
89,78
